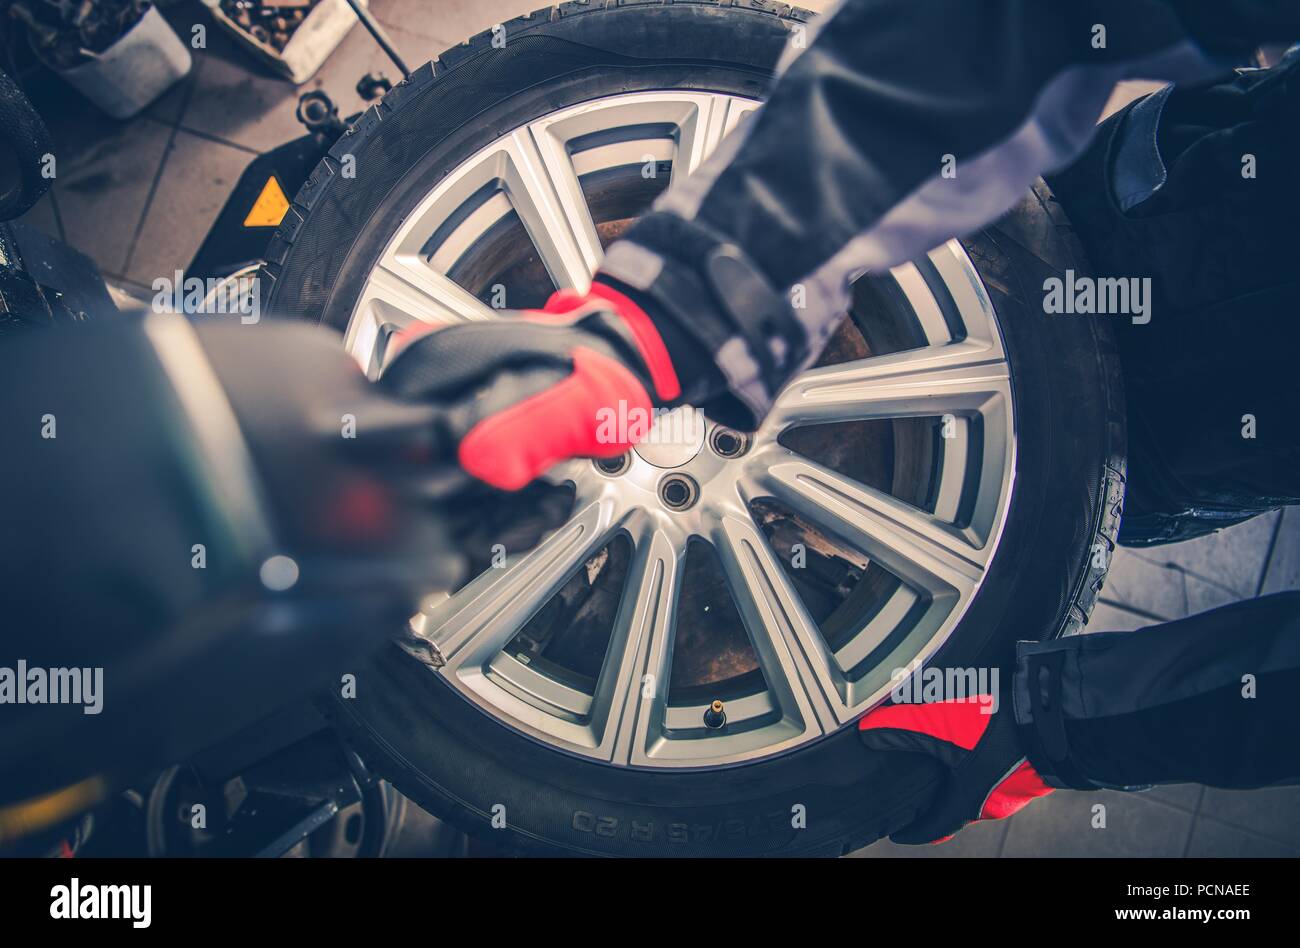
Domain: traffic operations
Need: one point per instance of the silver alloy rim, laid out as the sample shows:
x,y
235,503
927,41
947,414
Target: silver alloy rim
x,y
810,689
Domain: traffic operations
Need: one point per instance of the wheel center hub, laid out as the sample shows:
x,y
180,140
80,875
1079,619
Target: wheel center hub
x,y
675,437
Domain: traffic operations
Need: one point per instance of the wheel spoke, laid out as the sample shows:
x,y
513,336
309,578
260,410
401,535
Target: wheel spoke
x,y
737,111
394,299
925,307
545,156
407,281
960,378
633,687
475,624
913,545
971,305
702,128
790,650
699,129
543,189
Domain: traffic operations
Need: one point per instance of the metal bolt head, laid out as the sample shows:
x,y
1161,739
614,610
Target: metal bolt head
x,y
678,492
728,443
614,466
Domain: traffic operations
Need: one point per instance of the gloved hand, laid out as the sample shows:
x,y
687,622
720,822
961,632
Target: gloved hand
x,y
520,394
989,777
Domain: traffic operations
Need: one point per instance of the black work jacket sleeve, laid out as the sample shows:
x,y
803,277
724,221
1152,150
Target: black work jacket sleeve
x,y
1213,698
895,125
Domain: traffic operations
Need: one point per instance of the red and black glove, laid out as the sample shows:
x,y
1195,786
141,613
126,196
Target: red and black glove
x,y
519,395
989,777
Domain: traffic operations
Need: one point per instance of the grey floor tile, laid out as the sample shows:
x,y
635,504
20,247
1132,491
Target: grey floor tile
x,y
77,128
1109,617
1062,825
1139,581
196,181
1284,566
449,21
359,54
1273,812
419,17
1233,557
169,107
1186,796
235,97
979,839
1212,838
127,294
125,283
103,192
238,100
1182,579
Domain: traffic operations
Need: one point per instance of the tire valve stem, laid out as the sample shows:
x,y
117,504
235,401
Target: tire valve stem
x,y
714,716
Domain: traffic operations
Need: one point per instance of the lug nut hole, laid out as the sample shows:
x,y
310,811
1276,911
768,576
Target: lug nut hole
x,y
678,491
728,443
613,466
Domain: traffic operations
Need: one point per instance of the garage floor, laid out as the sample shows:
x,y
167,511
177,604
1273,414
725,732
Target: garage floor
x,y
139,196
1147,586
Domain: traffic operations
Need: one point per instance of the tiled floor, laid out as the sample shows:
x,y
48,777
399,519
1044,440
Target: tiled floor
x,y
139,196
1148,586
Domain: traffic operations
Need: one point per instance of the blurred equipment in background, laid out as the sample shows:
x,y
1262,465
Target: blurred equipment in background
x,y
67,33
372,86
120,54
42,282
287,788
269,23
293,37
312,797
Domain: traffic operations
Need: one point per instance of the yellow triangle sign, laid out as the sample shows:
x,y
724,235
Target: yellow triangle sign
x,y
269,208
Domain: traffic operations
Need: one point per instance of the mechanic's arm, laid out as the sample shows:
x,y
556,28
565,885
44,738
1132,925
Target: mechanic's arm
x,y
1208,699
903,124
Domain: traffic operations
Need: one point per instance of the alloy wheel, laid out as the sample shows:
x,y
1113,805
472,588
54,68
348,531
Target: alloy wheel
x,y
716,597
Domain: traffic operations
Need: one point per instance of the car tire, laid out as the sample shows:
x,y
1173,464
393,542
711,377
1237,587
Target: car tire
x,y
24,150
825,798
